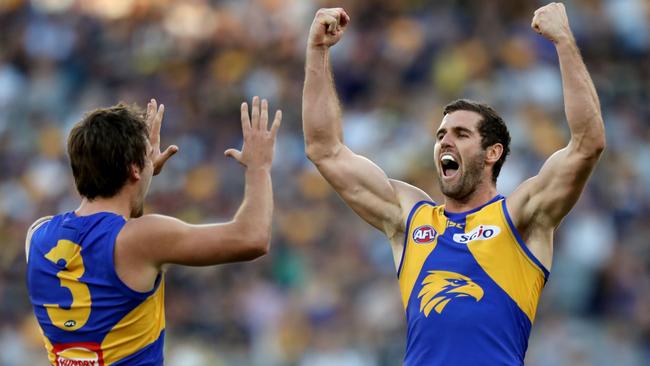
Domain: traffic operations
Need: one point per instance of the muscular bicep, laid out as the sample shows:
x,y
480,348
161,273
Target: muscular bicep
x,y
379,200
546,198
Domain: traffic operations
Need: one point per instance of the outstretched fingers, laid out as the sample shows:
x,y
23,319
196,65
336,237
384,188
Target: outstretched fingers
x,y
259,140
245,119
264,115
255,113
233,153
163,157
277,121
154,121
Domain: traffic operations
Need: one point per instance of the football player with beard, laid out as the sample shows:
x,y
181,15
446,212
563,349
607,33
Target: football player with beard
x,y
471,268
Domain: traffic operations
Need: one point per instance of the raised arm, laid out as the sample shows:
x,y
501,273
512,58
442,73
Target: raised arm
x,y
363,185
148,242
542,201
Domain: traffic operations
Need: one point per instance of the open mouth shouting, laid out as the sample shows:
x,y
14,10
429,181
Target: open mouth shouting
x,y
449,166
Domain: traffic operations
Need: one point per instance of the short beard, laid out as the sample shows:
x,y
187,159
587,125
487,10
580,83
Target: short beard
x,y
471,179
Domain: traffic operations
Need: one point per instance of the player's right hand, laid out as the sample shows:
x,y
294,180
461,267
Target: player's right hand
x,y
153,119
259,141
328,27
551,21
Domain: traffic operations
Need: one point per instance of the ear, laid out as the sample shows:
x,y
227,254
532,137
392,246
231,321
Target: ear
x,y
493,153
135,173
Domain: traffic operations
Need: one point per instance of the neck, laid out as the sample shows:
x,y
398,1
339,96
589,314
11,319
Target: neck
x,y
118,204
481,195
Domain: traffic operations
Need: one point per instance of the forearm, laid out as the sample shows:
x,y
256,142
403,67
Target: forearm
x,y
581,103
321,110
255,213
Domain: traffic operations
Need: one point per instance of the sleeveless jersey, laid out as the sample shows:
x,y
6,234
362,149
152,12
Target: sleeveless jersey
x,y
470,287
87,315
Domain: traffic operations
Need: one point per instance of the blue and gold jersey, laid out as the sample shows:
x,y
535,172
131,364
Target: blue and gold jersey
x,y
87,315
469,285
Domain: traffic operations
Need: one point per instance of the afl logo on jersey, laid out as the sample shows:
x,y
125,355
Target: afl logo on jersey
x,y
483,232
424,234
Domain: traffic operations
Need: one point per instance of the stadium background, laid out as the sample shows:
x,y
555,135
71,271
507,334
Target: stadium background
x,y
326,294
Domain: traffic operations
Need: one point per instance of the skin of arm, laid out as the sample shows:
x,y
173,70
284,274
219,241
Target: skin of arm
x,y
147,243
539,204
380,201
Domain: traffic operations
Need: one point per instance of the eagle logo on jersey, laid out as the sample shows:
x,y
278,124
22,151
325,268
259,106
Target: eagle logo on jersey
x,y
440,287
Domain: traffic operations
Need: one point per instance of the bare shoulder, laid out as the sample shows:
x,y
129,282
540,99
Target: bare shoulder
x,y
408,195
137,247
517,200
150,228
529,221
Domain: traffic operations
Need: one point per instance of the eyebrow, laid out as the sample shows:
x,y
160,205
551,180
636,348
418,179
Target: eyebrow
x,y
457,129
462,129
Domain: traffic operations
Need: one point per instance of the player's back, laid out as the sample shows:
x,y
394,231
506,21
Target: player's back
x,y
88,316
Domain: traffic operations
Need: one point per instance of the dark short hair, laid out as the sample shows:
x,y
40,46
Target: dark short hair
x,y
492,128
103,146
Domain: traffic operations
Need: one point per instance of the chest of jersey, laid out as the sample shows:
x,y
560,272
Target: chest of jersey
x,y
469,286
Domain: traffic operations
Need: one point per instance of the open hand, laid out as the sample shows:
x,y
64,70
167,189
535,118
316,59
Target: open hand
x,y
259,141
154,121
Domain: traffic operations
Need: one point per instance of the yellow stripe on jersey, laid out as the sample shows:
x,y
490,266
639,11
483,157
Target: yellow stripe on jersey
x,y
48,347
503,259
416,254
139,328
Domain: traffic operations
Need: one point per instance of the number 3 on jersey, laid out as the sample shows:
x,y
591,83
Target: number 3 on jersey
x,y
79,312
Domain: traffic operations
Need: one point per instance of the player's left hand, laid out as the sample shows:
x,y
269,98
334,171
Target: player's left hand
x,y
154,121
552,22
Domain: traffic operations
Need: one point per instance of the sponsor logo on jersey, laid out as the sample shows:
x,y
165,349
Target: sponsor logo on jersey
x,y
424,234
455,224
482,232
78,354
439,288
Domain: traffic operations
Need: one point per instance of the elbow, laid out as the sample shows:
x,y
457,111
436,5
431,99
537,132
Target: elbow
x,y
262,246
253,238
599,148
598,145
590,147
313,152
599,142
317,152
257,246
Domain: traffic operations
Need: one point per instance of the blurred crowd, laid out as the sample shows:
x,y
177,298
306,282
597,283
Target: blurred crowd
x,y
327,293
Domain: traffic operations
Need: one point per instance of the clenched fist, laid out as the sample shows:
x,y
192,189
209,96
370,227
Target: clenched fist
x,y
552,22
328,27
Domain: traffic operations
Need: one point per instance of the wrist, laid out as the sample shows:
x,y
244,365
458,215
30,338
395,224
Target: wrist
x,y
258,169
317,59
565,40
317,48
